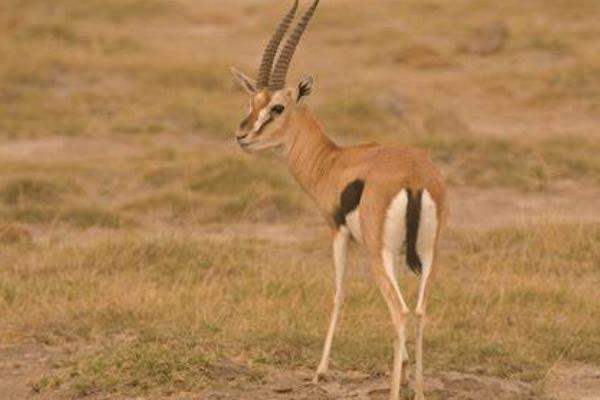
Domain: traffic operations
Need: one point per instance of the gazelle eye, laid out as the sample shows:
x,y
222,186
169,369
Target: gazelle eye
x,y
277,109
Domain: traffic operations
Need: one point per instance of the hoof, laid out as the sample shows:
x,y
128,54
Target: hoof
x,y
420,396
404,380
407,393
321,376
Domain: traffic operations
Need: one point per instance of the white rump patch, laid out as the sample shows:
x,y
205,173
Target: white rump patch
x,y
394,232
428,224
395,223
353,223
427,230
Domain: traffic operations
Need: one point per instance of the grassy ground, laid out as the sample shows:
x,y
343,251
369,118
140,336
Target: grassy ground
x,y
146,251
161,311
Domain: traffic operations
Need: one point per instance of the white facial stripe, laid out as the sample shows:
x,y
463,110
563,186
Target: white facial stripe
x,y
264,116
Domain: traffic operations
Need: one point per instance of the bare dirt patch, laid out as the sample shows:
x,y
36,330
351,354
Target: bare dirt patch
x,y
573,382
24,366
354,385
63,148
499,207
20,366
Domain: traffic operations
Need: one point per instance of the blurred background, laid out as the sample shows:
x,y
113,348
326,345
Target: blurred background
x,y
143,254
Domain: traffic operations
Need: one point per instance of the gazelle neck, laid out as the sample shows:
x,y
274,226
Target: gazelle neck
x,y
310,153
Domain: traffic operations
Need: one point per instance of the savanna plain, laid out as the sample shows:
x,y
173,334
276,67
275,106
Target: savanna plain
x,y
143,255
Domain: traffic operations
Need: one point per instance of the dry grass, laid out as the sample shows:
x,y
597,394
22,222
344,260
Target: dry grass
x,y
105,249
162,312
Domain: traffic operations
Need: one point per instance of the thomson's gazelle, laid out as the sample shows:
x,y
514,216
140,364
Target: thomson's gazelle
x,y
389,198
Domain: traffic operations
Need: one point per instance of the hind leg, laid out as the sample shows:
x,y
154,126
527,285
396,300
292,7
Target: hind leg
x,y
390,263
426,249
398,312
420,313
394,234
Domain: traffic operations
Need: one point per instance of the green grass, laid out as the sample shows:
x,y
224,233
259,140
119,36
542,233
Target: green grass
x,y
140,365
150,364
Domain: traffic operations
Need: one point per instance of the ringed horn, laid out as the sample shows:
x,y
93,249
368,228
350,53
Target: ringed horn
x,y
277,80
266,63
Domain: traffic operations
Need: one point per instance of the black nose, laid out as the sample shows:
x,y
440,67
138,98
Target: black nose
x,y
240,138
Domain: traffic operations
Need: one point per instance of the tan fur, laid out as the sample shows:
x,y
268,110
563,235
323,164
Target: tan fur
x,y
280,120
324,169
386,208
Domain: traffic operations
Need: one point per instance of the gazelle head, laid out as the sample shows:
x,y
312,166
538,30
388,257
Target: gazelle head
x,y
272,103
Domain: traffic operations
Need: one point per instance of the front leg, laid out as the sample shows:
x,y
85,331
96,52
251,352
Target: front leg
x,y
340,250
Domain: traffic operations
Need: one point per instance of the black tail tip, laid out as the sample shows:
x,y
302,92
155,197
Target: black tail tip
x,y
413,214
414,263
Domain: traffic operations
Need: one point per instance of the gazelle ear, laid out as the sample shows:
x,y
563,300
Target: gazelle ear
x,y
247,83
305,87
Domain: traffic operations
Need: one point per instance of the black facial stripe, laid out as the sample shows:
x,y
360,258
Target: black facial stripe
x,y
413,215
245,123
349,201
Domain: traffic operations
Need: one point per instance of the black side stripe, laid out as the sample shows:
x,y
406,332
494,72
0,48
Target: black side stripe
x,y
413,215
349,200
